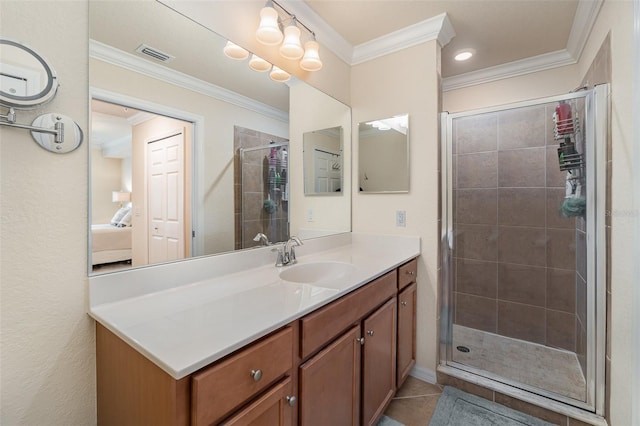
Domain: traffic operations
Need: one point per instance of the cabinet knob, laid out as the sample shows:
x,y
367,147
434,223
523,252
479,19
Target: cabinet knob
x,y
360,340
403,303
291,400
410,273
256,375
370,332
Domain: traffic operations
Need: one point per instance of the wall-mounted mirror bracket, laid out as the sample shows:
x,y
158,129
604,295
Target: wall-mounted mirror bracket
x,y
54,132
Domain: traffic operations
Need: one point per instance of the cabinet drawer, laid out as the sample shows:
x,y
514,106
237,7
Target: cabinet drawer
x,y
407,273
319,327
221,388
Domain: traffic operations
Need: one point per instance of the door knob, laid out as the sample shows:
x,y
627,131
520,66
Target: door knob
x,y
291,400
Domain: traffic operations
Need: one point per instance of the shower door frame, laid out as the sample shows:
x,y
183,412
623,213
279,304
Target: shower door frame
x,y
258,148
596,133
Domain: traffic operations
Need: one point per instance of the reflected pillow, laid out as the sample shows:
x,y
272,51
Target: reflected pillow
x,y
119,215
126,220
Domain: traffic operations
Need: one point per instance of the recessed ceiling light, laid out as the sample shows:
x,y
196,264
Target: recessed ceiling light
x,y
463,55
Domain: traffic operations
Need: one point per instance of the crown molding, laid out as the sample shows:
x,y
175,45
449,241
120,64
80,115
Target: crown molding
x,y
326,35
111,55
583,22
436,28
542,62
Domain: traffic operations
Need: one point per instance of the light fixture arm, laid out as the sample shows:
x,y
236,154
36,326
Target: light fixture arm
x,y
293,18
55,126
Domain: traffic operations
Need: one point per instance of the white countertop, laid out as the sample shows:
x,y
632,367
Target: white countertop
x,y
187,321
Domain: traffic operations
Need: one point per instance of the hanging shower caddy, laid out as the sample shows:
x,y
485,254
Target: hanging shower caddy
x,y
567,131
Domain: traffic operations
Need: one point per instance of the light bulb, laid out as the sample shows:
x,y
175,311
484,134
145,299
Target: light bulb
x,y
291,47
258,64
311,59
269,30
279,75
233,51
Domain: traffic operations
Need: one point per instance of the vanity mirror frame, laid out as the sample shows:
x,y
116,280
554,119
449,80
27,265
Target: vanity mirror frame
x,y
39,98
363,175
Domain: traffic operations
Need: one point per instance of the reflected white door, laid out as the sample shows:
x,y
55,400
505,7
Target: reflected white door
x,y
165,192
327,171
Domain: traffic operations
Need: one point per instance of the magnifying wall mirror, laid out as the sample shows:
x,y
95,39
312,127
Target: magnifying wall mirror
x,y
323,161
26,79
383,160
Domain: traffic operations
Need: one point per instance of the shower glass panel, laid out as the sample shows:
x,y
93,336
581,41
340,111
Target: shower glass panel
x,y
264,192
518,207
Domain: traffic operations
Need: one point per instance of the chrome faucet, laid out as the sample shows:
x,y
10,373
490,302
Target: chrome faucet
x,y
286,252
262,238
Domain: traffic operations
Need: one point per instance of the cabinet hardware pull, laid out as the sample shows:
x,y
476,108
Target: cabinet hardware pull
x,y
256,375
403,303
410,272
360,340
370,332
291,400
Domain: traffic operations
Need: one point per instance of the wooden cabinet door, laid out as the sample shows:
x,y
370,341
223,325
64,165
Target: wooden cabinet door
x,y
379,361
329,383
274,408
406,332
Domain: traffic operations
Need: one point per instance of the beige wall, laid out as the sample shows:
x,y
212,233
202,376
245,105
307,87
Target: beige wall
x,y
47,352
107,174
313,110
414,74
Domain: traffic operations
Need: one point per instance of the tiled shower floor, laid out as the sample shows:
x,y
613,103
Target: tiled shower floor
x,y
529,363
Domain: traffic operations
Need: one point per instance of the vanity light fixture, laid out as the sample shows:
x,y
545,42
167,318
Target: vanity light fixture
x,y
270,34
279,75
233,51
268,31
258,64
291,47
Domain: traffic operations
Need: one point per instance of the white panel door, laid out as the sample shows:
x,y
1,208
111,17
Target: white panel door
x,y
327,171
165,192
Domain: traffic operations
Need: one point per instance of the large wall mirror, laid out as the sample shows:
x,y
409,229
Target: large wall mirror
x,y
193,153
383,155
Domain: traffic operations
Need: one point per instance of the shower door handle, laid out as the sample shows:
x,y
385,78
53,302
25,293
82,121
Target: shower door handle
x,y
450,240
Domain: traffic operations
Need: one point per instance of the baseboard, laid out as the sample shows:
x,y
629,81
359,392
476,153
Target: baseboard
x,y
426,374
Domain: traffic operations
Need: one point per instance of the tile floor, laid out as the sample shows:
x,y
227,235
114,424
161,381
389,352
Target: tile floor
x,y
414,402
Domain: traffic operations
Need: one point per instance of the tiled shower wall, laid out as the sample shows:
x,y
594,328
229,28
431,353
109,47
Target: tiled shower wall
x,y
514,254
251,188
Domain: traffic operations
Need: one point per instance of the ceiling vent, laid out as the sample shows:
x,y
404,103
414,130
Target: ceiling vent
x,y
155,53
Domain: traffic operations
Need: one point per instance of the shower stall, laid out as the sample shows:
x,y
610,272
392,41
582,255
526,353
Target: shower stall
x,y
523,274
263,193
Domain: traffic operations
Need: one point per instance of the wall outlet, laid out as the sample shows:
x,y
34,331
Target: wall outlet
x,y
310,215
401,218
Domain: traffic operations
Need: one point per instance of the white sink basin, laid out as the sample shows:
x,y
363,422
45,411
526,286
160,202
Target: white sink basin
x,y
325,274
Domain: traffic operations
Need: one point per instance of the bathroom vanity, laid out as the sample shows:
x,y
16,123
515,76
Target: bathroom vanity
x,y
329,351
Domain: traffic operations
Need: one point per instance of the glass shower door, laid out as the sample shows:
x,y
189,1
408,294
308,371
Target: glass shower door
x,y
517,308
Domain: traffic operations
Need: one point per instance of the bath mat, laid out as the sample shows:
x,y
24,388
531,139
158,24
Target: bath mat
x,y
388,421
457,408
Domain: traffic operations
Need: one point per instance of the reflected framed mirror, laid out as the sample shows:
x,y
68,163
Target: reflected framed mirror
x,y
383,155
323,161
26,78
203,114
